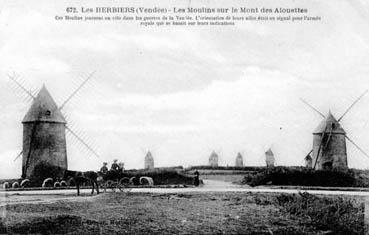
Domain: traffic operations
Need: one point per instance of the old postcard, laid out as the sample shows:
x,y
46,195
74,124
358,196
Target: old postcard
x,y
184,117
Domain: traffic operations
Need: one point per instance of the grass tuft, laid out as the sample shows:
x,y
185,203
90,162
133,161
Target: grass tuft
x,y
338,215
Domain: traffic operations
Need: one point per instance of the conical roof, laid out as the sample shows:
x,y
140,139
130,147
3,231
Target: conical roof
x,y
239,156
148,155
269,152
329,124
213,154
239,160
44,109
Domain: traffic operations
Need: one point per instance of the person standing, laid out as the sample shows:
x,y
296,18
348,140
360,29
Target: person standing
x,y
104,168
197,179
121,166
115,166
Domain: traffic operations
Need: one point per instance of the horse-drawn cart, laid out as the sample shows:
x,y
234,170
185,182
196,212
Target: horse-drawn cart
x,y
115,180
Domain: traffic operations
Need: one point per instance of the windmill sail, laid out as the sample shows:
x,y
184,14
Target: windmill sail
x,y
329,142
44,140
352,105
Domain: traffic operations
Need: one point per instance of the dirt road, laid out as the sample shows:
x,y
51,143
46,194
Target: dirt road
x,y
49,196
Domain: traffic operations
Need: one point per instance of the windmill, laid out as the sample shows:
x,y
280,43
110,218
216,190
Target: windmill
x,y
239,160
213,159
269,158
329,141
308,160
149,161
44,128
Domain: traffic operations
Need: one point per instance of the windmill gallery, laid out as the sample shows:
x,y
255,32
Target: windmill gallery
x,y
44,140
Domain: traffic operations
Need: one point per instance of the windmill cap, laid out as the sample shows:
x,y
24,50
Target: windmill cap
x,y
329,124
44,109
213,154
269,152
148,155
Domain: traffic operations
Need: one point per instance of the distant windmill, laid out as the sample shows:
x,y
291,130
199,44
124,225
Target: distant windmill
x,y
149,161
269,158
213,159
329,141
44,129
308,160
239,160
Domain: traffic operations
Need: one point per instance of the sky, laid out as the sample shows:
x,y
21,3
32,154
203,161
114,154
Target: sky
x,y
182,92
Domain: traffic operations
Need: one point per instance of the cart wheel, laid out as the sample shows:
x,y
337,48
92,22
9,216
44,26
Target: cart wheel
x,y
111,184
125,188
120,187
124,181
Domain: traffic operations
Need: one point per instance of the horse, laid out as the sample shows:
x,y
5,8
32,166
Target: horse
x,y
81,177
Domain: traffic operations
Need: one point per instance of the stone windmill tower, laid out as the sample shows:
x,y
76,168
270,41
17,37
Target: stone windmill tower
x,y
239,160
213,159
149,161
329,145
44,140
329,142
43,135
269,158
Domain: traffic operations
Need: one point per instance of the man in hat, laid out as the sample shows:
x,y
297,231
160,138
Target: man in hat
x,y
104,168
121,166
115,166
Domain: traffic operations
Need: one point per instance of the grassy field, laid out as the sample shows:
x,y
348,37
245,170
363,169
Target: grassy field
x,y
195,213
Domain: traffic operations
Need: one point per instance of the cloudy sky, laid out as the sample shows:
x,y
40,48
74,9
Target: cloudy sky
x,y
183,92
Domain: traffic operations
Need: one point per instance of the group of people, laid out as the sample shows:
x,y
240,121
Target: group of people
x,y
120,167
114,167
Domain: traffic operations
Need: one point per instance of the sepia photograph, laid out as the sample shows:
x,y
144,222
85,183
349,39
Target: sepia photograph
x,y
184,117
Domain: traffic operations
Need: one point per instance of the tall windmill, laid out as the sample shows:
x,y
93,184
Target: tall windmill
x,y
329,141
44,128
